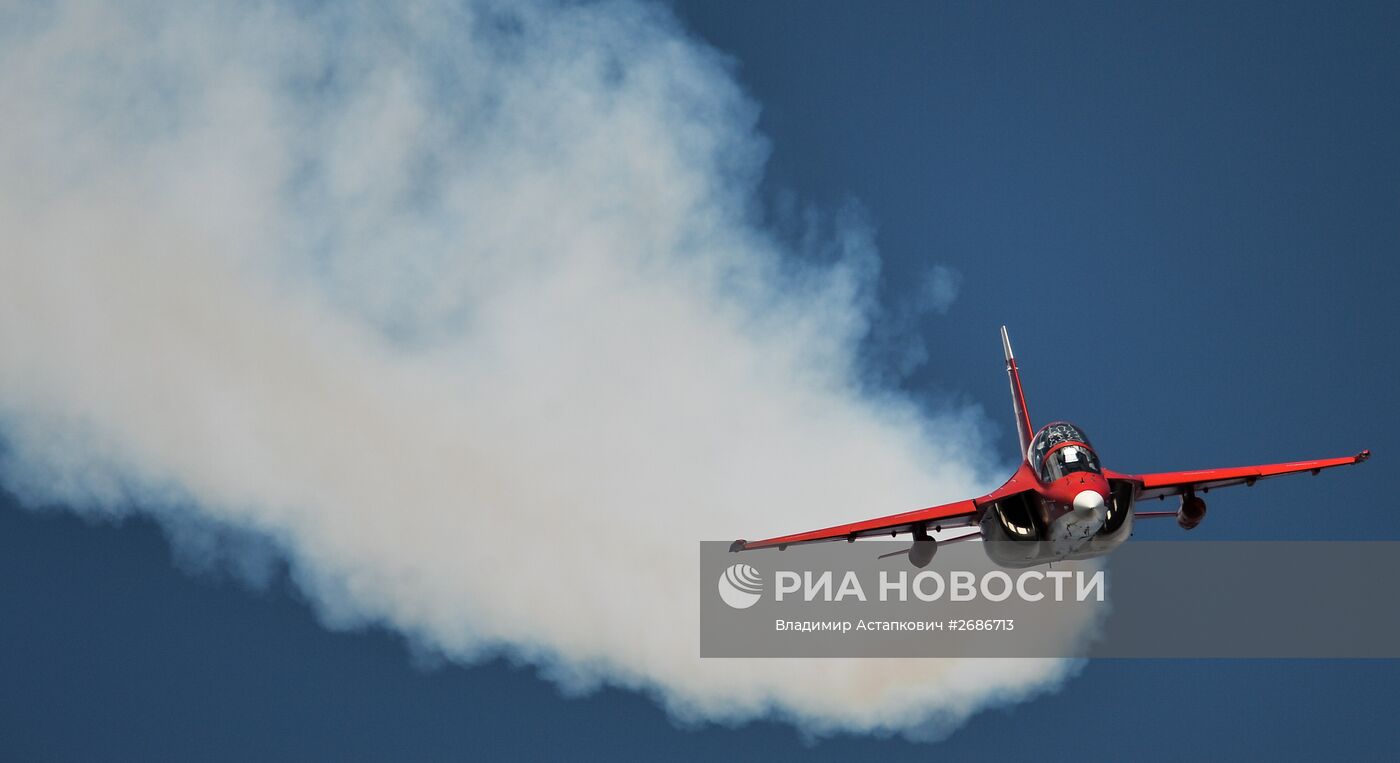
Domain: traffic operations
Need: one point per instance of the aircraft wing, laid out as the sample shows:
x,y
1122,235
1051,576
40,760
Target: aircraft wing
x,y
1176,483
959,513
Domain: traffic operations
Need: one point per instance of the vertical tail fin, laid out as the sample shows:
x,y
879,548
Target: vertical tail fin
x,y
1018,398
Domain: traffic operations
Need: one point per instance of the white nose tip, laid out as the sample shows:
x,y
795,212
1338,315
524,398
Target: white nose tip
x,y
1088,500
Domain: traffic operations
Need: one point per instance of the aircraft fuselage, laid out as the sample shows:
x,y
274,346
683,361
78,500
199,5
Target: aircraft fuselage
x,y
1070,511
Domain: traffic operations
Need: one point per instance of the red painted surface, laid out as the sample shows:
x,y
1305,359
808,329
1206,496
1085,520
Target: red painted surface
x,y
968,513
1018,403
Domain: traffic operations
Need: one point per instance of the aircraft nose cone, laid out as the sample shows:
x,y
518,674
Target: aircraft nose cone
x,y
1088,501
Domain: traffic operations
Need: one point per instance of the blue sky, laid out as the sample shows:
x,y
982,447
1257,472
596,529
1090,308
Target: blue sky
x,y
1188,218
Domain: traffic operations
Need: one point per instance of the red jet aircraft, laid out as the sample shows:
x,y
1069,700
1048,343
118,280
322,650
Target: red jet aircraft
x,y
1060,503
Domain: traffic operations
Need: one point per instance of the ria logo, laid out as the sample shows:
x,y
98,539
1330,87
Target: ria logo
x,y
740,586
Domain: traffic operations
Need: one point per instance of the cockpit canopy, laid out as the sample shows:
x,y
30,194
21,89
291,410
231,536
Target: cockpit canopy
x,y
1068,460
1076,457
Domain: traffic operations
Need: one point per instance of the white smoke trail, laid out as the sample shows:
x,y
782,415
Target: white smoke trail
x,y
411,291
